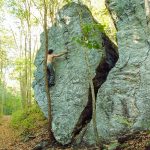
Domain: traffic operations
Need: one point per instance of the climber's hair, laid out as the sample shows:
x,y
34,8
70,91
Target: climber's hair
x,y
50,51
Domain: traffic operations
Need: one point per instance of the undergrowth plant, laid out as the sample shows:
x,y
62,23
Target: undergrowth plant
x,y
28,120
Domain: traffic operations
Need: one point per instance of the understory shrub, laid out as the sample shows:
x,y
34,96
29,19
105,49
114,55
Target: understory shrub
x,y
28,120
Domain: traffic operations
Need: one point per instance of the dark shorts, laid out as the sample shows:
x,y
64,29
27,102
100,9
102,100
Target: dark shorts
x,y
51,75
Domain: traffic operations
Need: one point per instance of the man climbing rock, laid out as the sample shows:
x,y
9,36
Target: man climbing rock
x,y
50,68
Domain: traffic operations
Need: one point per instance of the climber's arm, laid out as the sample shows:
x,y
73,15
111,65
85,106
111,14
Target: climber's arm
x,y
60,54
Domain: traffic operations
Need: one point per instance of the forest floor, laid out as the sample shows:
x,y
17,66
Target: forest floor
x,y
11,140
7,135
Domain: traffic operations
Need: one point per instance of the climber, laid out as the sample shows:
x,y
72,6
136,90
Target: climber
x,y
50,69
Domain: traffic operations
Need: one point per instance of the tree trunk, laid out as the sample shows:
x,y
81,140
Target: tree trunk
x,y
97,139
45,71
27,4
25,74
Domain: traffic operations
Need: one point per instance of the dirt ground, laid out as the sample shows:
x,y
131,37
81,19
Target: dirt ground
x,y
7,134
10,140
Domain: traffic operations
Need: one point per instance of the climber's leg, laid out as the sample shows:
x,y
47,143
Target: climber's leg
x,y
51,75
52,78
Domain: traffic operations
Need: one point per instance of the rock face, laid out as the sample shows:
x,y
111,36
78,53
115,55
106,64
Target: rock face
x,y
71,97
123,101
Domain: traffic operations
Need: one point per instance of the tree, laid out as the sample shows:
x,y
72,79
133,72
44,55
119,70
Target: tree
x,y
45,70
5,44
25,45
85,41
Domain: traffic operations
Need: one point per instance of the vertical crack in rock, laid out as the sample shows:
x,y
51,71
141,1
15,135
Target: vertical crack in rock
x,y
110,57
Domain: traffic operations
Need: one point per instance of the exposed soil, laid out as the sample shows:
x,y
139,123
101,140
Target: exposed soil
x,y
135,141
11,140
7,135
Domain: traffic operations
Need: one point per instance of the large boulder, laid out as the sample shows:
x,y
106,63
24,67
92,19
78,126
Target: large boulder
x,y
123,101
87,58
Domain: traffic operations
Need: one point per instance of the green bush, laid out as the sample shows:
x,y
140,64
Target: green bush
x,y
10,100
28,120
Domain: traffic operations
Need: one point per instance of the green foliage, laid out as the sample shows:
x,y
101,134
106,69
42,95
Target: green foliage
x,y
87,43
1,3
101,14
88,28
17,9
88,39
9,100
28,119
68,1
6,43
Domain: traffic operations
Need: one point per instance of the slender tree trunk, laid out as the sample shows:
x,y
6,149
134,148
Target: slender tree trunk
x,y
1,78
2,100
30,69
27,4
26,74
94,114
51,10
3,94
3,86
97,139
22,79
1,62
22,93
35,49
45,71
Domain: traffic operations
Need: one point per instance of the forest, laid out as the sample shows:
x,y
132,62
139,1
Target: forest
x,y
100,52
